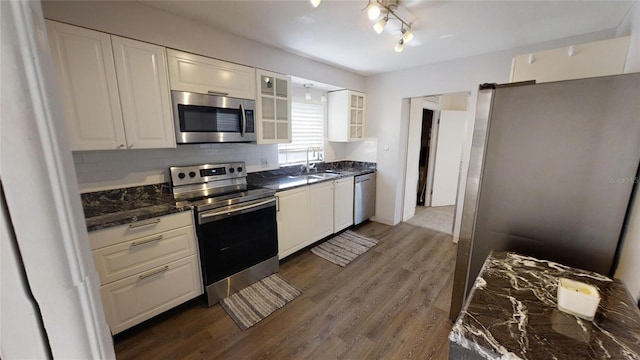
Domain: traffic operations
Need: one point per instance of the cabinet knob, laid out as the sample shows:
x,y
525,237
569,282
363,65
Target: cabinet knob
x,y
130,146
120,146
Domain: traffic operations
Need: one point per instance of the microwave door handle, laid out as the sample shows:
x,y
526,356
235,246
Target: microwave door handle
x,y
243,124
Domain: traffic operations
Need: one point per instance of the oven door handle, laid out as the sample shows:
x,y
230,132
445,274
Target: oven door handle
x,y
216,215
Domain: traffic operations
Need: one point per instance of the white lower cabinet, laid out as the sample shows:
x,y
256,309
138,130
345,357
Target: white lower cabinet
x,y
310,213
136,298
343,203
146,268
293,221
321,203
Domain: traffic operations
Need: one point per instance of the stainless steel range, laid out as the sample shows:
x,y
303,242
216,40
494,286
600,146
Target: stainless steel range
x,y
236,227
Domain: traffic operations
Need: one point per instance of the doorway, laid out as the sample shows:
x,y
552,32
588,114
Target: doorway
x,y
423,162
434,160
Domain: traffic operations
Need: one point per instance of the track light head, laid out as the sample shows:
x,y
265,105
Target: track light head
x,y
380,25
399,46
307,95
315,3
373,10
407,35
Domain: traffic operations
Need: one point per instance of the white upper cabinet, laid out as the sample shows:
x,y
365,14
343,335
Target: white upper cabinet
x,y
346,116
144,94
199,74
88,88
114,96
273,107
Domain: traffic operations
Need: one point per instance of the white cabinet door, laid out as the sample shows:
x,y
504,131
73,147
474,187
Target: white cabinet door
x,y
321,210
200,74
130,301
273,108
346,116
293,221
86,73
144,94
343,203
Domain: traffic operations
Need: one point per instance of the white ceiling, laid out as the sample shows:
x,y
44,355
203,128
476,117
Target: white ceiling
x,y
339,33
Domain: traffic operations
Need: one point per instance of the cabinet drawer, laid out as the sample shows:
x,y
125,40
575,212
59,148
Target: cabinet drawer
x,y
117,234
137,298
125,259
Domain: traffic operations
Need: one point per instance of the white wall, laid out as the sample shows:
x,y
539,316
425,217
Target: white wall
x,y
629,265
99,170
384,99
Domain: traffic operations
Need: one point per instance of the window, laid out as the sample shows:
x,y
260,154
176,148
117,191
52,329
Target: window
x,y
307,129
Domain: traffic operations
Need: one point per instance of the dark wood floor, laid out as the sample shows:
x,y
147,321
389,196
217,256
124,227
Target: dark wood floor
x,y
390,303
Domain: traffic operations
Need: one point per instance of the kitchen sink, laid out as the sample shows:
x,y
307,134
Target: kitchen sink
x,y
323,175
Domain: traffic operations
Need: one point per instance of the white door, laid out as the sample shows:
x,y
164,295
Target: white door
x,y
144,94
87,78
451,132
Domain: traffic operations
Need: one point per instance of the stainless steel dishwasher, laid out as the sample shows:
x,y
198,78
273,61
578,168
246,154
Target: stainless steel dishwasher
x,y
364,202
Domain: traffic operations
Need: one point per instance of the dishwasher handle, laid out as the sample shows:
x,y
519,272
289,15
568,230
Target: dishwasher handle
x,y
362,178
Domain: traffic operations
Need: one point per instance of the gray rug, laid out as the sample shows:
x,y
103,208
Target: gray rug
x,y
343,248
439,218
254,303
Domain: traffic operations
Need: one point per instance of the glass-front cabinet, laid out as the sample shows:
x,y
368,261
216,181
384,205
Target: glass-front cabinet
x,y
273,107
346,116
356,120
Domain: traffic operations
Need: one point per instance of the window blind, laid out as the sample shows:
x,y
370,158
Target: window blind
x,y
307,129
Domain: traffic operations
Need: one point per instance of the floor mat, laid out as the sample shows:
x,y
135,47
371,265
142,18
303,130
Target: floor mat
x,y
343,248
252,304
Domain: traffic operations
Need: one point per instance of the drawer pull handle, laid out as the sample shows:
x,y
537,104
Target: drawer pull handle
x,y
144,223
136,243
163,269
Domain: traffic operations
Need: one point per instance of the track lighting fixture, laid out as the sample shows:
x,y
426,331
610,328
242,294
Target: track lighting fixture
x,y
388,8
315,3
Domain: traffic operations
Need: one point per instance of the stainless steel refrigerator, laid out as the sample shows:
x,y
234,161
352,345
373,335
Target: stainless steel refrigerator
x,y
551,173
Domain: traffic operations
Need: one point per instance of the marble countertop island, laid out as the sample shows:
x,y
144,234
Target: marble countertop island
x,y
512,313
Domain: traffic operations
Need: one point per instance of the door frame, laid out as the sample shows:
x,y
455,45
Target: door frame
x,y
41,188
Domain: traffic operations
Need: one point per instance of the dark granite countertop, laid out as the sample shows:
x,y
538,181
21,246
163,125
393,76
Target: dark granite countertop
x,y
292,177
104,209
512,313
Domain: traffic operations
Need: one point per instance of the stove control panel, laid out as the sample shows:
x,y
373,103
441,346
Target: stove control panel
x,y
184,175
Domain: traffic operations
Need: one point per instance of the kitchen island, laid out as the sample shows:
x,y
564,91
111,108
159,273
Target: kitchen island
x,y
511,313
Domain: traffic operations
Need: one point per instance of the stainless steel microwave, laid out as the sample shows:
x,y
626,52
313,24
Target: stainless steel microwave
x,y
208,118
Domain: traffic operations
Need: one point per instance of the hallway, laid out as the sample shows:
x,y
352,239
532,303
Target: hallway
x,y
438,218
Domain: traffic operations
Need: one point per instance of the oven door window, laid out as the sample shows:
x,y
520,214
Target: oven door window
x,y
194,118
233,244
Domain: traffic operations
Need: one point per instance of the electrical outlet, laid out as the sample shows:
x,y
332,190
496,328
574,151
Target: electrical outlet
x,y
264,162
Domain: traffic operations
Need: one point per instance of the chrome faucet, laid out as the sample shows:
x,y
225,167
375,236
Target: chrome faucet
x,y
314,154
